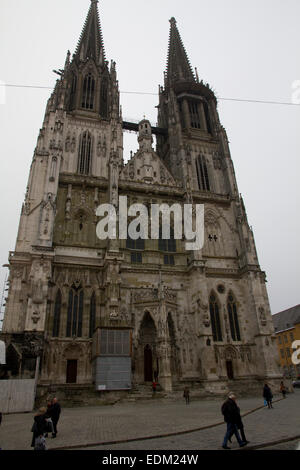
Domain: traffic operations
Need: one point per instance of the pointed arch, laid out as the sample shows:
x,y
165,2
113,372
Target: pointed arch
x,y
233,317
57,313
75,312
214,310
92,314
88,92
85,154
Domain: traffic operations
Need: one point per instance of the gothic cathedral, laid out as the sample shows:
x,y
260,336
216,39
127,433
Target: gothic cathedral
x,y
112,315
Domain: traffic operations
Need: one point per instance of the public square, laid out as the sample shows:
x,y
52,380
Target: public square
x,y
162,424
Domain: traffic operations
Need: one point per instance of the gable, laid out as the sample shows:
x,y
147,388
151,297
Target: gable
x,y
147,167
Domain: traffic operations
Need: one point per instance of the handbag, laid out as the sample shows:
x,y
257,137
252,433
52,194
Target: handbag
x,y
49,425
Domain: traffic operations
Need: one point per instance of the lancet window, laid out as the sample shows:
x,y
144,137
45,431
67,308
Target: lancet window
x,y
88,92
215,318
85,154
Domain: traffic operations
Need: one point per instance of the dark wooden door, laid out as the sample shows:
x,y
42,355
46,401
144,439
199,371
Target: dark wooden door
x,y
72,371
229,368
148,372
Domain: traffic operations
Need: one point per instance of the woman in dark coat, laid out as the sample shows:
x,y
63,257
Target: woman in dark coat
x,y
39,425
240,426
267,394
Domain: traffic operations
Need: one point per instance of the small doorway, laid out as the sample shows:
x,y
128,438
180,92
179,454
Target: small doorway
x,y
72,371
229,368
148,372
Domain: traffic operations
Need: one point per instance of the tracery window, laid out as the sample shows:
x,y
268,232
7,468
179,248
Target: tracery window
x,y
194,114
233,319
85,154
215,318
75,312
88,92
202,173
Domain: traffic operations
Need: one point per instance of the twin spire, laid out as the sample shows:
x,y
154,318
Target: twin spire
x,y
91,45
178,65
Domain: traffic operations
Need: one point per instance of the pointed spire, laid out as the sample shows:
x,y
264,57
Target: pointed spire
x,y
178,66
90,43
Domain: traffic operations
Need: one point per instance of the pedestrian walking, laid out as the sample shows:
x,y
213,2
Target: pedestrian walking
x,y
154,385
283,389
240,427
232,417
267,394
38,429
50,427
55,414
186,395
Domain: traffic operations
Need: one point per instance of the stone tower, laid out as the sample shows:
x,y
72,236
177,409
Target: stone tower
x,y
114,314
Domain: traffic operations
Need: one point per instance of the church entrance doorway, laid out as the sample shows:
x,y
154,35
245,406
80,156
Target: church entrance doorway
x,y
72,371
146,358
148,369
229,368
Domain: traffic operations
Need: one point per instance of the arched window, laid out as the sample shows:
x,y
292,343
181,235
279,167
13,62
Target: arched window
x,y
75,312
194,114
88,92
92,314
202,174
85,154
215,318
233,318
56,319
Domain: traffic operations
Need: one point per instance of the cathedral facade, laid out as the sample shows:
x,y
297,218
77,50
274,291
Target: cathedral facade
x,y
116,314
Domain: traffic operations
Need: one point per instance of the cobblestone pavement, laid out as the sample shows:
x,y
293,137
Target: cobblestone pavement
x,y
80,427
262,426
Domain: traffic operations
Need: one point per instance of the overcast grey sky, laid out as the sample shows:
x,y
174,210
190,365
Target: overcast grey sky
x,y
248,49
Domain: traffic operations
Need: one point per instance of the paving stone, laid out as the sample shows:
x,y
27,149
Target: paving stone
x,y
105,424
